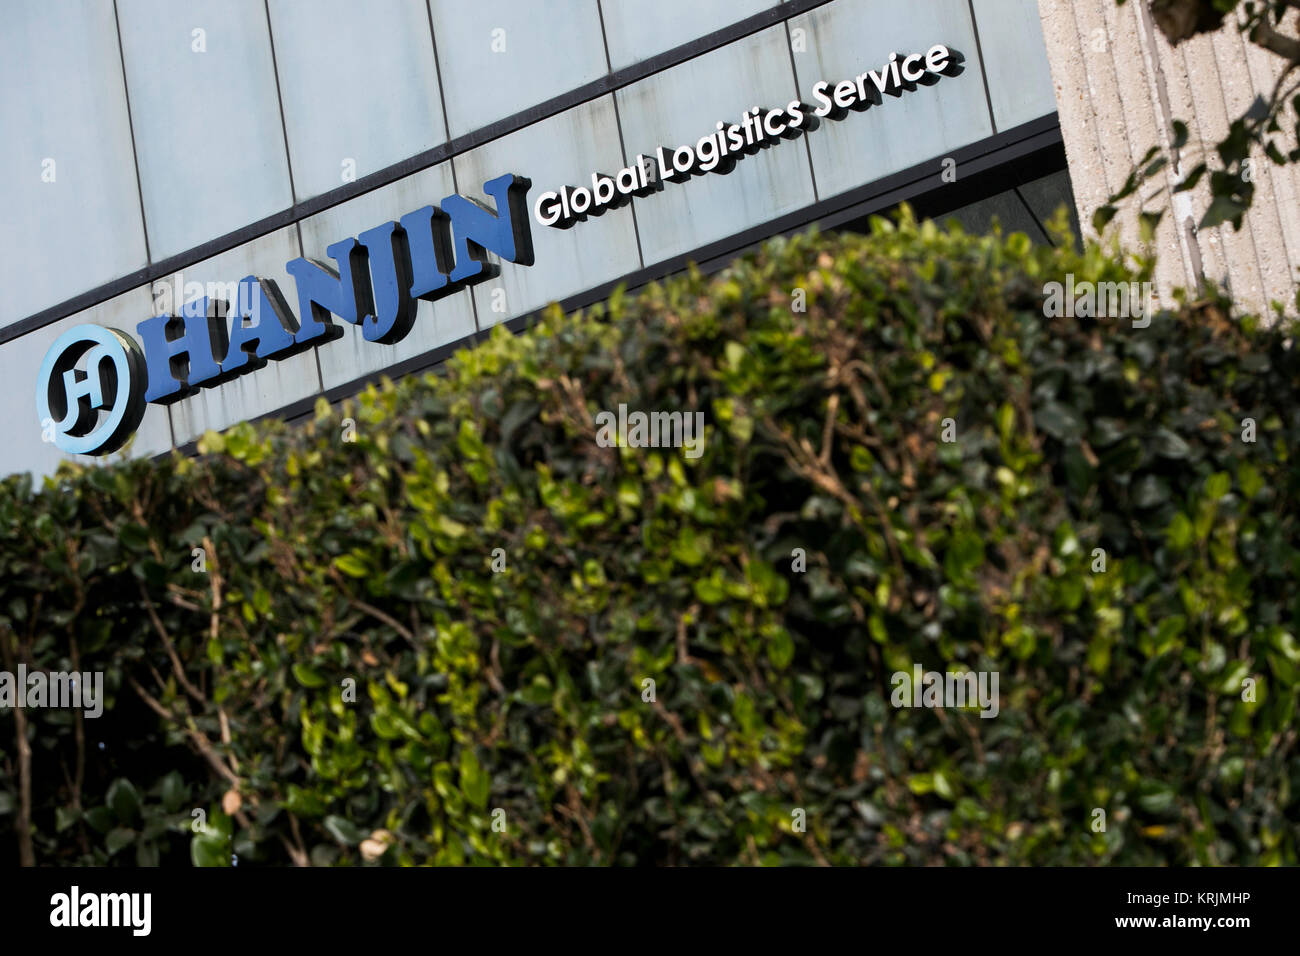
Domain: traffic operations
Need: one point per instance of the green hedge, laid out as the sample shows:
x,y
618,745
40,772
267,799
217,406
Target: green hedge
x,y
524,690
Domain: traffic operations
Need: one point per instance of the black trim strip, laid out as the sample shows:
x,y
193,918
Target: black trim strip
x,y
309,207
990,153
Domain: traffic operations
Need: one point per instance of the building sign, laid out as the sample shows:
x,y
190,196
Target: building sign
x,y
718,151
68,401
384,271
381,274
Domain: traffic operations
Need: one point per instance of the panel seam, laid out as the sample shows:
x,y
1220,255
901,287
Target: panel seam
x,y
288,164
618,122
794,70
451,160
984,73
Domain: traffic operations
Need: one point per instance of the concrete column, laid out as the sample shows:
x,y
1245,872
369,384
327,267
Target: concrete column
x,y
1119,87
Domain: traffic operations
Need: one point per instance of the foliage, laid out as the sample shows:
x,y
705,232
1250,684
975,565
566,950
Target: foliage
x,y
524,691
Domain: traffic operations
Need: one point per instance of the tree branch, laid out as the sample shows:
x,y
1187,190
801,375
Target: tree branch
x,y
23,822
386,618
201,742
177,668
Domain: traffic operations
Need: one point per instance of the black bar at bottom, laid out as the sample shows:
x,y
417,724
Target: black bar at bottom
x,y
954,907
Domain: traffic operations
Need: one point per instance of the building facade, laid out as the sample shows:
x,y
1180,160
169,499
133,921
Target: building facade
x,y
222,210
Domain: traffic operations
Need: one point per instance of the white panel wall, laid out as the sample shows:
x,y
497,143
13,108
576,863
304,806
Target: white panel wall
x,y
1015,61
68,200
846,39
359,87
208,135
636,30
498,57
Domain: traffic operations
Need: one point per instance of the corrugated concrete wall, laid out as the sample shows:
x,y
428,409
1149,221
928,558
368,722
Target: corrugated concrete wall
x,y
1119,87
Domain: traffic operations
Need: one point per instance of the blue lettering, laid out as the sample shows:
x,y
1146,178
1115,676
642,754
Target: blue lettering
x,y
477,231
323,293
269,333
176,363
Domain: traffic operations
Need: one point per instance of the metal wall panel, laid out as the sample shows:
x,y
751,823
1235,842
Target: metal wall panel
x,y
563,150
359,87
682,104
71,210
436,323
21,444
845,39
208,134
637,30
1015,60
498,57
277,383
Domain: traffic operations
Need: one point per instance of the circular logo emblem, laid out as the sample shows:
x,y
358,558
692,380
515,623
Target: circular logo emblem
x,y
92,409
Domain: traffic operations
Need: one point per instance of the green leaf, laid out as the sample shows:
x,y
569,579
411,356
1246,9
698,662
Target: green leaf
x,y
118,838
1218,485
308,676
1250,480
452,529
710,589
1059,421
134,537
1169,445
351,565
146,854
99,819
174,791
780,649
207,852
64,817
343,830
123,800
1158,801
474,782
1150,491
